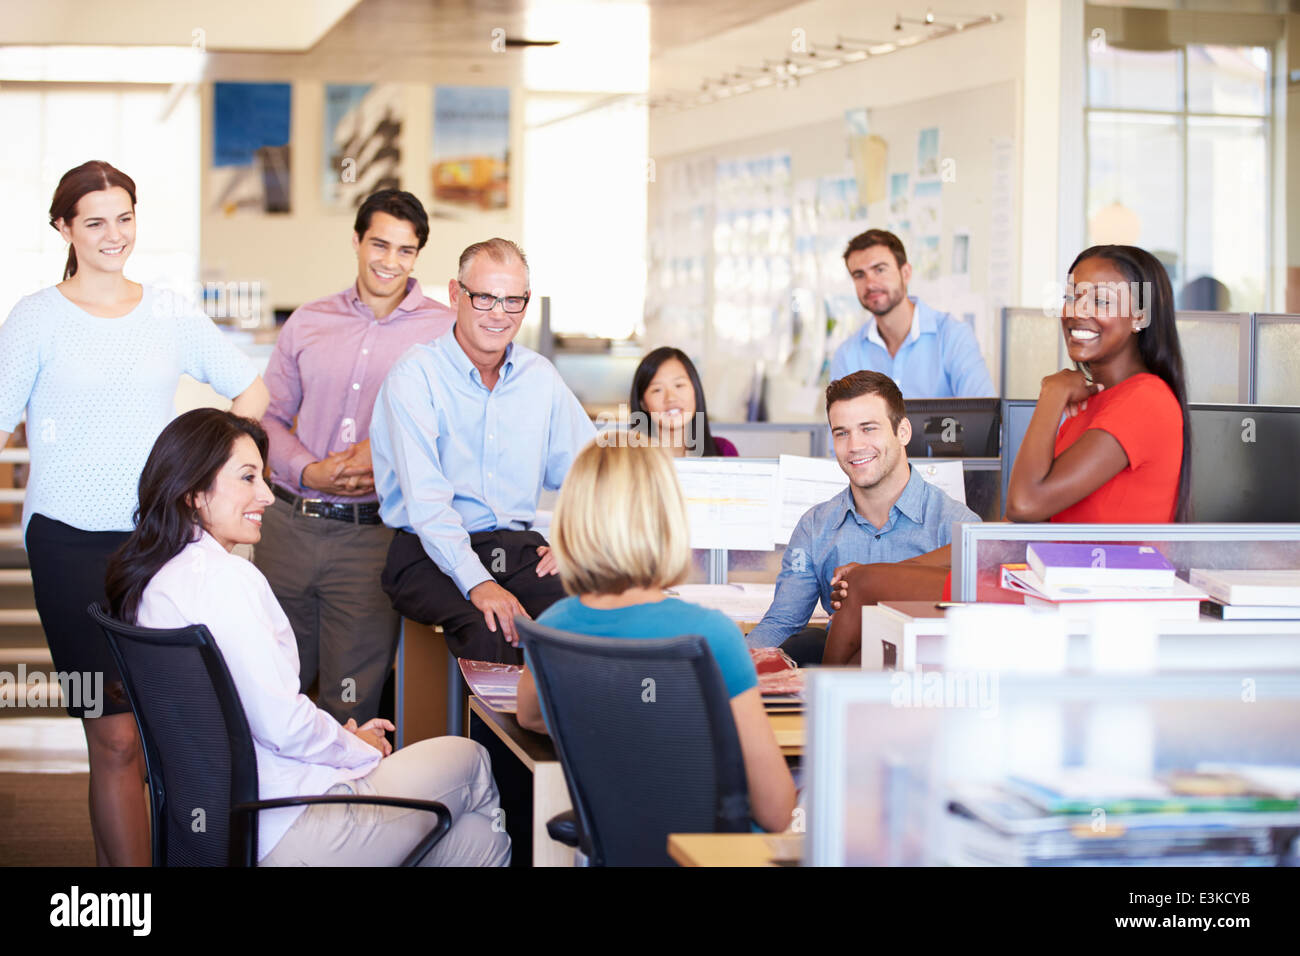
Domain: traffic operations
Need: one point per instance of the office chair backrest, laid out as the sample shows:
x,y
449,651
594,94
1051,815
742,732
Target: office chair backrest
x,y
197,745
644,731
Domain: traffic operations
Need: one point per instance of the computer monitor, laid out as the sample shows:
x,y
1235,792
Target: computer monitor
x,y
1245,459
1245,463
954,427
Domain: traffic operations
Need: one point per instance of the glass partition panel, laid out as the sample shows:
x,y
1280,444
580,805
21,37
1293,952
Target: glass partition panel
x,y
1277,359
1215,348
980,550
1051,770
1031,350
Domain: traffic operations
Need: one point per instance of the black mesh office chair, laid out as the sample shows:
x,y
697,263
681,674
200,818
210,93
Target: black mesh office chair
x,y
199,752
644,732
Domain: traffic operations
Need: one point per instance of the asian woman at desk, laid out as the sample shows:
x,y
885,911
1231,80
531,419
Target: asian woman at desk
x,y
202,492
620,537
1108,440
95,362
667,402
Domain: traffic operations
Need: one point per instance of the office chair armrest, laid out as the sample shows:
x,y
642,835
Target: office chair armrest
x,y
563,828
421,849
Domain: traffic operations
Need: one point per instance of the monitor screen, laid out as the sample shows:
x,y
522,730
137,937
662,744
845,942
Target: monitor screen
x,y
1245,463
954,427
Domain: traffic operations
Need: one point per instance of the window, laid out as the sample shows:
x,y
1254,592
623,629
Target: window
x,y
1178,163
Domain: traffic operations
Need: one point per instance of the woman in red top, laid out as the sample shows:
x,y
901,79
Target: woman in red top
x,y
1122,454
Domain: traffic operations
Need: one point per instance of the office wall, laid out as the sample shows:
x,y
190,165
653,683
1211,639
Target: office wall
x,y
974,106
307,252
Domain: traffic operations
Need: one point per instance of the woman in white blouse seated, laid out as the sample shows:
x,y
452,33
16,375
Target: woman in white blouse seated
x,y
201,493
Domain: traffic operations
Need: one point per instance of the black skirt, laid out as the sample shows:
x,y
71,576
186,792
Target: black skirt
x,y
68,568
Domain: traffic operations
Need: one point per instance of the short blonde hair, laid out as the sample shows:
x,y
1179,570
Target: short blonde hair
x,y
620,521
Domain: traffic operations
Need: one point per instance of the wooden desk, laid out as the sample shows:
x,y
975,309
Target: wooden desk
x,y
732,849
551,793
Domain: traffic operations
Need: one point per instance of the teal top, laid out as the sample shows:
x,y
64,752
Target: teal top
x,y
670,617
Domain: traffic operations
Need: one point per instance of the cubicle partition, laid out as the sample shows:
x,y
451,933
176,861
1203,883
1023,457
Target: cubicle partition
x,y
940,777
1236,357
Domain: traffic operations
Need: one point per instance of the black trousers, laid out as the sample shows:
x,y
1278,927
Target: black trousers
x,y
421,592
806,647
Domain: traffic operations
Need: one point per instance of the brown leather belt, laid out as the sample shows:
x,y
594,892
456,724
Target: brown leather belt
x,y
367,513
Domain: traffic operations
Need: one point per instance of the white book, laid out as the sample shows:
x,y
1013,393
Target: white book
x,y
1278,588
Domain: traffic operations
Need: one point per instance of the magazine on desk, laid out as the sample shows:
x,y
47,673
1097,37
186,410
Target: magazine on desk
x,y
779,681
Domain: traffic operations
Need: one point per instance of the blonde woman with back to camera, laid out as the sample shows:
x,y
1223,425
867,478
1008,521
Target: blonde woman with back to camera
x,y
620,537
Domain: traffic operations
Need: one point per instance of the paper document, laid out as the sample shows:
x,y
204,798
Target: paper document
x,y
946,475
740,602
802,483
730,502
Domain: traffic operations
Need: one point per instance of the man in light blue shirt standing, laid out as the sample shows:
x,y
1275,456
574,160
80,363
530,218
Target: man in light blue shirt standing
x,y
929,354
467,430
888,513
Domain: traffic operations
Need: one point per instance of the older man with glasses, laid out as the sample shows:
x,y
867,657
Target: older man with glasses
x,y
467,431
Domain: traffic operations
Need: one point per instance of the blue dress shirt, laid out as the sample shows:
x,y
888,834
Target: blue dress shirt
x,y
833,533
939,358
452,457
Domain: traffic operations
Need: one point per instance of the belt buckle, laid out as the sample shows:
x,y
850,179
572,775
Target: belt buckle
x,y
304,502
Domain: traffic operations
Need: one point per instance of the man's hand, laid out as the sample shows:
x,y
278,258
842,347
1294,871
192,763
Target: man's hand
x,y
357,464
840,584
372,732
336,474
547,564
499,606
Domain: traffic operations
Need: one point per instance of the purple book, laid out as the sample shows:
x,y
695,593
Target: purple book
x,y
1094,565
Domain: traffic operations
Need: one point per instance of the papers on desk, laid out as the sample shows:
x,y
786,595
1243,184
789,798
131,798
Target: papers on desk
x,y
740,602
731,503
497,685
803,483
779,681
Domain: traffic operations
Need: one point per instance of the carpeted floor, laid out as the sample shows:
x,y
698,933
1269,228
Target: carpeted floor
x,y
44,820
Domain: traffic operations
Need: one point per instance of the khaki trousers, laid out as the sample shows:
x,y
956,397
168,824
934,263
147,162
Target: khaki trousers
x,y
325,574
452,770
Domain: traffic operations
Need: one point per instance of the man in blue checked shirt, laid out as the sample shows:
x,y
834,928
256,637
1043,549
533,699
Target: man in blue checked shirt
x,y
929,354
467,431
888,513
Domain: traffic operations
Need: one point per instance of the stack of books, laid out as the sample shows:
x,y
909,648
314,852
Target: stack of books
x,y
1211,816
1084,580
1249,595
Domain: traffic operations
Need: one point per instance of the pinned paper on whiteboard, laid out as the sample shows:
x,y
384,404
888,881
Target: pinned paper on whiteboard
x,y
803,483
948,476
731,503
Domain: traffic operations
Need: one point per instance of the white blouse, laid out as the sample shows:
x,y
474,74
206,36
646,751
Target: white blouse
x,y
301,750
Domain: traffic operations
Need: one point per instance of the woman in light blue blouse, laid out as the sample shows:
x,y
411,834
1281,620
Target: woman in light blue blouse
x,y
94,361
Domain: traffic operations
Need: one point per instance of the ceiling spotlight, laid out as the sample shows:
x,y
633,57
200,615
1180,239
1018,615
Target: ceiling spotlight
x,y
929,16
898,22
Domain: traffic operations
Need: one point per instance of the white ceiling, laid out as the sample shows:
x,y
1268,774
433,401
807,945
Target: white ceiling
x,y
281,25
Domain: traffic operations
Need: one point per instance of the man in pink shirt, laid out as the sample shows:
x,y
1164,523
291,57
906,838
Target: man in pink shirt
x,y
323,544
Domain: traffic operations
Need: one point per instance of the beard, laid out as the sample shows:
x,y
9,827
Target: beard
x,y
891,300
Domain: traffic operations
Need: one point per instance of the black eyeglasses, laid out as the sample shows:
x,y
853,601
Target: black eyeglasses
x,y
486,301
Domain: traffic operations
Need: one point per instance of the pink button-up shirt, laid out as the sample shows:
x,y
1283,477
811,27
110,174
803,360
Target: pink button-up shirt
x,y
328,364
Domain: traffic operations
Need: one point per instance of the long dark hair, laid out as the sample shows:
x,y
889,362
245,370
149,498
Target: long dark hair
x,y
89,177
184,461
1158,342
646,371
